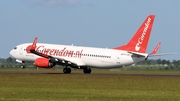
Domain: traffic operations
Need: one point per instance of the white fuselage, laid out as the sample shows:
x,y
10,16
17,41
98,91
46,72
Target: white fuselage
x,y
83,56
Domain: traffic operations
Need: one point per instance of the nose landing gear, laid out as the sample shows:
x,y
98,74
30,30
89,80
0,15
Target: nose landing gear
x,y
23,65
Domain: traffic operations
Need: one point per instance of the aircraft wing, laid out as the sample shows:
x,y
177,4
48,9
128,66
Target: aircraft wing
x,y
58,60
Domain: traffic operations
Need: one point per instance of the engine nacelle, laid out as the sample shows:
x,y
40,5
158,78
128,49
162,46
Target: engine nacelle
x,y
43,63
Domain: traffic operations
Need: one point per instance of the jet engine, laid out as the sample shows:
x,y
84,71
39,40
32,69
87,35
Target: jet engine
x,y
43,63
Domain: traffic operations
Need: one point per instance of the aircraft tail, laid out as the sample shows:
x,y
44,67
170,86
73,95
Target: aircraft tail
x,y
139,41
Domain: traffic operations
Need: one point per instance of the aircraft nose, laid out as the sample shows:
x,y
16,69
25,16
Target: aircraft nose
x,y
11,53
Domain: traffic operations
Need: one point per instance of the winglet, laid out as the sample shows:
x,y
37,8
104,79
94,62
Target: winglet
x,y
33,47
156,48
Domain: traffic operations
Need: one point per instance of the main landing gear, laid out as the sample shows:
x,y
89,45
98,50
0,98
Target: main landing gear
x,y
67,70
87,70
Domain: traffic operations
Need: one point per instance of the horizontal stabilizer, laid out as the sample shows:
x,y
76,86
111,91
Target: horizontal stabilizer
x,y
161,54
154,52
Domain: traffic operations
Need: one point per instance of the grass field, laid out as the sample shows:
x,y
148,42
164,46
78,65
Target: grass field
x,y
53,85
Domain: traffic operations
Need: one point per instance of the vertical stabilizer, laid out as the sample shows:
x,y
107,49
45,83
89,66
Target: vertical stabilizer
x,y
139,41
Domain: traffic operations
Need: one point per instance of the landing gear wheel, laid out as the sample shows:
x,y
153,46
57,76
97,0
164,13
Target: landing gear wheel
x,y
22,66
87,71
67,70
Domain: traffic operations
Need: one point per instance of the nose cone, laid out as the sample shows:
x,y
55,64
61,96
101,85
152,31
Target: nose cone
x,y
11,53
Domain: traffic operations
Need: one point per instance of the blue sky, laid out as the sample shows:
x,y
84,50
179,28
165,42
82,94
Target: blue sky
x,y
94,23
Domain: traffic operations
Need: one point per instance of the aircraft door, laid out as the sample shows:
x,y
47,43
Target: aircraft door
x,y
118,58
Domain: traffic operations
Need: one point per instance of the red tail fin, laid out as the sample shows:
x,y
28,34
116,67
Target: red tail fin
x,y
139,41
156,48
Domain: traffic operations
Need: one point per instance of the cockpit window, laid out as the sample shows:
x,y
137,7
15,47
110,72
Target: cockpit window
x,y
15,48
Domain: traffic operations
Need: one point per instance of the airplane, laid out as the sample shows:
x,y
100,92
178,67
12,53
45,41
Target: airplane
x,y
46,55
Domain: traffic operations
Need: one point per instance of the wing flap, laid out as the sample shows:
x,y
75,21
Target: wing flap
x,y
72,61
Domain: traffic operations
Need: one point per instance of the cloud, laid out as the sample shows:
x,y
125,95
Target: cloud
x,y
51,3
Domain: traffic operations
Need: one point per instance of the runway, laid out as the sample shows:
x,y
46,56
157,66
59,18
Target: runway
x,y
92,74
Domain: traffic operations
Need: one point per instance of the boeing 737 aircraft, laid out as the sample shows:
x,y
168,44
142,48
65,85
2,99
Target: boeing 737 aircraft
x,y
48,55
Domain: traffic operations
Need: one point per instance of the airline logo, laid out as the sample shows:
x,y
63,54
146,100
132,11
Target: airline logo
x,y
56,52
143,35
